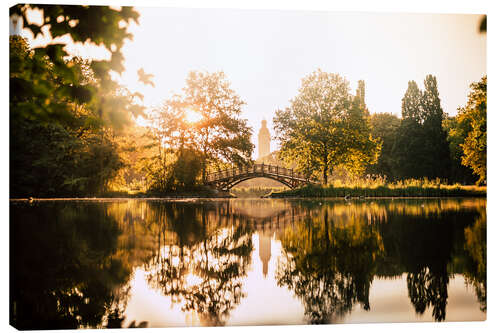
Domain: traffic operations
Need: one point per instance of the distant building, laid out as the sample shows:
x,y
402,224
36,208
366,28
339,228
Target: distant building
x,y
264,140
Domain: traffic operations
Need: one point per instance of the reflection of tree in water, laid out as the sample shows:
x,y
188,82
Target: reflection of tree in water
x,y
203,274
329,267
70,262
63,272
428,288
426,247
475,245
115,312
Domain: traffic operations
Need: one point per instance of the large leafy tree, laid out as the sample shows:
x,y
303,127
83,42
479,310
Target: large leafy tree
x,y
220,134
175,162
71,106
325,127
55,140
473,118
198,131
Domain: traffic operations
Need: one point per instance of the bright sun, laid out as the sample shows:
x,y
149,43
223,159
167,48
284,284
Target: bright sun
x,y
193,116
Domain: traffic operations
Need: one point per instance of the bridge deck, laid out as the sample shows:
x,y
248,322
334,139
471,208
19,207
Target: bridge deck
x,y
255,171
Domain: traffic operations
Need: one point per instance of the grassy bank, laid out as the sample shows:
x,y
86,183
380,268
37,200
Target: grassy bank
x,y
254,192
200,192
412,188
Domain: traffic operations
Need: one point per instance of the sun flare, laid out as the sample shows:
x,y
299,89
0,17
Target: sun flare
x,y
193,116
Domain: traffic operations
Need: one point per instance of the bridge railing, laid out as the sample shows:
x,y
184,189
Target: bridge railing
x,y
254,169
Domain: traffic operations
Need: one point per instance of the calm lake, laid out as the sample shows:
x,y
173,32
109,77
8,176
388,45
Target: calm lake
x,y
160,263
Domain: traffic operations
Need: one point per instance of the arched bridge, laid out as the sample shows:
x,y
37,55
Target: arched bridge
x,y
226,179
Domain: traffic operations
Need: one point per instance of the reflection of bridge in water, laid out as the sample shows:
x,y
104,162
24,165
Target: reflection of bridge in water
x,y
226,179
268,219
259,215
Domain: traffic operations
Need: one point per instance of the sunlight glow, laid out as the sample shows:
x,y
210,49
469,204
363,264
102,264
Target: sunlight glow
x,y
141,121
193,116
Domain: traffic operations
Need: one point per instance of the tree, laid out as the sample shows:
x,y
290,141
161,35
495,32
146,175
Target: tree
x,y
324,127
421,149
384,127
473,118
55,140
220,135
411,106
45,94
171,135
73,108
196,131
456,137
409,135
437,152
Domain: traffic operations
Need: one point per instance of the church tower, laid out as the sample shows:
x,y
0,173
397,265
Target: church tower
x,y
264,140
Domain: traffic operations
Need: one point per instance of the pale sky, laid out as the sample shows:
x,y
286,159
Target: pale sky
x,y
265,53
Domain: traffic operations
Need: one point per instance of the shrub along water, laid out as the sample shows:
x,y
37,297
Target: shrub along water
x,y
377,187
255,192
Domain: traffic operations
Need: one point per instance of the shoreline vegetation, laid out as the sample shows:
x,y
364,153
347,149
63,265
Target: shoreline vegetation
x,y
380,191
414,189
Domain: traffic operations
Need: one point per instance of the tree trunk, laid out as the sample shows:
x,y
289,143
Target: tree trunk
x,y
204,161
325,164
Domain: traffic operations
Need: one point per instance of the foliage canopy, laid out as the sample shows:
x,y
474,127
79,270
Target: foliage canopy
x,y
473,118
324,127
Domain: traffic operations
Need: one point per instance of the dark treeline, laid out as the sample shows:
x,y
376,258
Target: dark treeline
x,y
332,252
329,134
426,142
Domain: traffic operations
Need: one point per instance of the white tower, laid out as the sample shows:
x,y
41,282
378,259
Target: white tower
x,y
264,140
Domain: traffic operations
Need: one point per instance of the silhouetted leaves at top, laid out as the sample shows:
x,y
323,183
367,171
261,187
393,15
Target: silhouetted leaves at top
x,y
483,25
145,78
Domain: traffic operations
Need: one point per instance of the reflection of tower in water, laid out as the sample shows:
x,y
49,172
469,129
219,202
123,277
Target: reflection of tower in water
x,y
264,251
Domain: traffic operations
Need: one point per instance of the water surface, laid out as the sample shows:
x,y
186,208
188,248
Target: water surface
x,y
158,263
